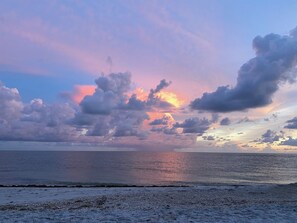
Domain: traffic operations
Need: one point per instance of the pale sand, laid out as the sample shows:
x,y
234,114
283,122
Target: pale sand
x,y
175,204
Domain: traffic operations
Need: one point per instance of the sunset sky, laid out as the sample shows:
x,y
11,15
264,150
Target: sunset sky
x,y
216,75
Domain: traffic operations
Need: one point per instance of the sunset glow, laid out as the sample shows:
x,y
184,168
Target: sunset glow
x,y
143,71
80,91
171,98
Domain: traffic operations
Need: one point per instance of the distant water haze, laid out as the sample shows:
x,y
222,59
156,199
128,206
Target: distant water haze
x,y
145,168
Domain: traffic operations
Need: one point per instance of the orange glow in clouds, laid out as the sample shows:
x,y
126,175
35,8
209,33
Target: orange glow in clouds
x,y
167,96
80,91
171,98
141,94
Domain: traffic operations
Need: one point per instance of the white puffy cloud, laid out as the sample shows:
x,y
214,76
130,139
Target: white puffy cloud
x,y
10,104
35,121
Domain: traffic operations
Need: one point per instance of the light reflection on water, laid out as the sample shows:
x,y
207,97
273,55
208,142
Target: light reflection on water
x,y
145,168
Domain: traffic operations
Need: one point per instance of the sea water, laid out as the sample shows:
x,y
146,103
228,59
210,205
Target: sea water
x,y
144,168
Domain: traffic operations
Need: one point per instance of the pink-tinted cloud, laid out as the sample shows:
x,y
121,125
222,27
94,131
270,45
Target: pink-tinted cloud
x,y
40,34
80,91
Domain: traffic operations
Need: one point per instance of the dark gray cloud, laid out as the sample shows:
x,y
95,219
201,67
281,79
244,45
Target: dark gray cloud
x,y
194,125
258,79
100,128
225,121
271,136
165,120
119,123
209,138
244,120
163,84
292,124
82,120
129,123
154,101
214,118
134,104
166,130
125,130
289,142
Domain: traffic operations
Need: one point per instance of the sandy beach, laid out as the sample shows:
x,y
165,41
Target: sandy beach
x,y
272,203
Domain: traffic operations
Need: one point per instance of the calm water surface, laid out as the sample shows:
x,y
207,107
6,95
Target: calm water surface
x,y
145,168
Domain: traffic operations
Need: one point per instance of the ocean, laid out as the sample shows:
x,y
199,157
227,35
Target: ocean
x,y
144,168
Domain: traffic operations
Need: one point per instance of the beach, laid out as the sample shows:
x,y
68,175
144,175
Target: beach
x,y
217,203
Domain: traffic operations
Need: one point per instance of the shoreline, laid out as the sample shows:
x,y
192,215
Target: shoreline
x,y
123,185
266,203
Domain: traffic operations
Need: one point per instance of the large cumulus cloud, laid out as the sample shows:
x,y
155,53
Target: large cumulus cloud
x,y
111,114
35,121
110,93
112,111
258,79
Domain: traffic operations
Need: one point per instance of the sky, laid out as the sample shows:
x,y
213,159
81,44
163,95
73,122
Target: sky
x,y
199,76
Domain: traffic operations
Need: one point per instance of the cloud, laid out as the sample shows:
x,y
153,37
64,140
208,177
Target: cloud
x,y
134,104
214,118
245,119
165,120
119,123
10,104
194,125
38,121
111,114
101,128
80,91
165,129
120,114
129,124
163,84
270,136
154,100
209,138
110,93
225,121
82,120
258,79
289,142
35,121
292,124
